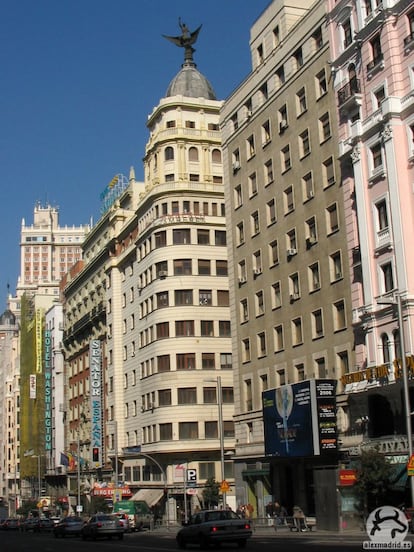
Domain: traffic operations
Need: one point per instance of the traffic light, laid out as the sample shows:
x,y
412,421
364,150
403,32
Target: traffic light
x,y
95,454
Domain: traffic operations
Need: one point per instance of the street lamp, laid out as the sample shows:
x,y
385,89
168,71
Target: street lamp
x,y
221,431
396,301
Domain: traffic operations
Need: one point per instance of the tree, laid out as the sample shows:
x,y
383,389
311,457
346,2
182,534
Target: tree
x,y
372,481
211,493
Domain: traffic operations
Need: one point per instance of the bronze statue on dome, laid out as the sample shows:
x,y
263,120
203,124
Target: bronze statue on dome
x,y
185,40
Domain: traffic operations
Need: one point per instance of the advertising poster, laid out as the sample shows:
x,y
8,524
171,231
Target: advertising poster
x,y
300,419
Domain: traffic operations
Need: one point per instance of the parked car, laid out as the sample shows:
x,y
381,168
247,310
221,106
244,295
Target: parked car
x,y
31,524
214,527
102,525
46,524
10,524
68,526
123,518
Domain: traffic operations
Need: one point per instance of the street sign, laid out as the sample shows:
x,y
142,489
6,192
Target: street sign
x,y
224,487
192,476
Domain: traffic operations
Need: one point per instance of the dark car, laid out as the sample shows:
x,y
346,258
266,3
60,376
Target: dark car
x,y
214,527
46,524
31,524
103,525
10,524
68,526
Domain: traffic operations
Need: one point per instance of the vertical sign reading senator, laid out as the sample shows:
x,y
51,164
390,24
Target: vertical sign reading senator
x,y
95,390
48,389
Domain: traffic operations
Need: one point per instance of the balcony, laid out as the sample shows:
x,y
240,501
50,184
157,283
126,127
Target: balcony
x,y
349,95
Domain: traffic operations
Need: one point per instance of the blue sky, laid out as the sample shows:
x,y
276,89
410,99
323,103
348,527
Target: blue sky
x,y
79,78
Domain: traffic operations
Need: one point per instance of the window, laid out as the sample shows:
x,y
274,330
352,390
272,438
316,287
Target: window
x,y
376,52
289,202
184,328
298,58
163,330
311,232
328,172
169,153
224,328
314,277
236,160
376,157
335,266
324,127
170,124
332,218
321,84
248,397
190,124
283,118
263,93
209,395
320,368
207,328
254,223
301,104
266,134
188,430
339,318
242,271
276,295
185,361
204,267
165,432
285,158
260,309
246,350
268,172
235,121
276,36
163,363
186,395
238,197
203,237
304,143
257,262
182,267
220,238
273,253
299,372
291,241
205,297
240,233
343,362
181,236
387,277
297,337
251,151
193,154
307,186
382,215
261,344
183,297
278,338
164,397
252,184
271,211
160,239
317,39
280,76
226,361
347,32
244,310
317,324
259,52
379,97
221,268
294,288
222,298
208,361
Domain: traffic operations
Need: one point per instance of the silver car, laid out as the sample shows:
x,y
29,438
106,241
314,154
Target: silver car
x,y
103,525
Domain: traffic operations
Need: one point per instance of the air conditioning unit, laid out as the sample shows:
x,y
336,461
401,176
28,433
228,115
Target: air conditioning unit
x,y
283,125
311,241
162,274
311,194
291,252
294,296
249,114
242,281
257,271
236,166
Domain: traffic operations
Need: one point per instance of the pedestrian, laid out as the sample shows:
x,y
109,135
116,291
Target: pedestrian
x,y
276,513
269,513
299,519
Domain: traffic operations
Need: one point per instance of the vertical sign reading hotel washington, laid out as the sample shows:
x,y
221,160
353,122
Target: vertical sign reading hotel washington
x,y
48,390
95,390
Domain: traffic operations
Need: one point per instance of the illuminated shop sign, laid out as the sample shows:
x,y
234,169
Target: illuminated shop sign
x,y
48,389
95,390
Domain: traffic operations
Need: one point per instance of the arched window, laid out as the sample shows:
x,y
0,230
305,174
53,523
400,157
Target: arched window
x,y
216,156
397,343
193,154
169,153
385,344
155,162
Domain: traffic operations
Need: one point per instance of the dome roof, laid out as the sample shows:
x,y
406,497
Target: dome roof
x,y
191,83
7,318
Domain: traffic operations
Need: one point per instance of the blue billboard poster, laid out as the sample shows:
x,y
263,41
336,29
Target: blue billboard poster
x,y
300,419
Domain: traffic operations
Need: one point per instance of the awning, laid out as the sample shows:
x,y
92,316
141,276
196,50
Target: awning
x,y
150,496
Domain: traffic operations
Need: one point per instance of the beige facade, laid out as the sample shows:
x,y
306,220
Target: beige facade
x,y
288,267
